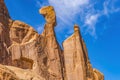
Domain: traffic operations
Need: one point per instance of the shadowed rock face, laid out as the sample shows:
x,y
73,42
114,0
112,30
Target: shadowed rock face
x,y
4,34
4,15
21,46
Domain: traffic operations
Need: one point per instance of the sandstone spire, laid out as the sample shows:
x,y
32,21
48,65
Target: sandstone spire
x,y
53,48
74,57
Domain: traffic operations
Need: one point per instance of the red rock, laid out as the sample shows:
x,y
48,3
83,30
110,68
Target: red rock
x,y
22,47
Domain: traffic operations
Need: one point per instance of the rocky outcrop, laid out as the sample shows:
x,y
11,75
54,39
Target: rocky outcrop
x,y
49,14
98,75
77,64
4,34
74,57
39,56
13,73
6,74
25,74
4,15
52,48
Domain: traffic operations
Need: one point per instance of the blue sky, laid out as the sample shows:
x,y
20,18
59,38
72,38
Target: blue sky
x,y
99,21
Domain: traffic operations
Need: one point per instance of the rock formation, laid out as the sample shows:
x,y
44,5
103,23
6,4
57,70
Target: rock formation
x,y
32,56
74,57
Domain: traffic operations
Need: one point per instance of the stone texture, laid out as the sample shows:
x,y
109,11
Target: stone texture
x,y
4,34
25,74
6,74
4,15
74,57
77,64
49,14
14,73
39,56
52,48
98,75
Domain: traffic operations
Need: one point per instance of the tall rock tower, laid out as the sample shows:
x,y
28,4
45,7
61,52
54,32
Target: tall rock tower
x,y
74,56
53,50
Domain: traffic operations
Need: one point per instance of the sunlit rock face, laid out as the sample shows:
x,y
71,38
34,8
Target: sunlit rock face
x,y
74,57
7,74
24,51
14,73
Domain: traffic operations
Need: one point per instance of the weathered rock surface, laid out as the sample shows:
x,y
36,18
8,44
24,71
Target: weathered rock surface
x,y
74,57
13,73
39,56
77,64
4,15
49,14
6,74
25,74
52,48
4,34
98,75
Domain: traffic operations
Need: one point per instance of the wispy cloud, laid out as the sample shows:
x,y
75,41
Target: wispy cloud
x,y
90,22
70,12
67,10
109,7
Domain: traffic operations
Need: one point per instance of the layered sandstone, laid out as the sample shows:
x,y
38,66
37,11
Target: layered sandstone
x,y
14,73
4,34
53,50
74,57
77,64
6,74
39,56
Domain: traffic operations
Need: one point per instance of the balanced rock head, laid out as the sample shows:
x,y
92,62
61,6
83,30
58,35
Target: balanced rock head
x,y
76,28
49,14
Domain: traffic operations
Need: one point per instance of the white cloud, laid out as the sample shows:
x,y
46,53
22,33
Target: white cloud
x,y
67,12
90,22
109,7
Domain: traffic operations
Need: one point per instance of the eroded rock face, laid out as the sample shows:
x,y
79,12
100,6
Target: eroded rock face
x,y
74,57
49,14
22,33
23,74
98,75
14,73
39,55
6,74
77,64
52,47
4,34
